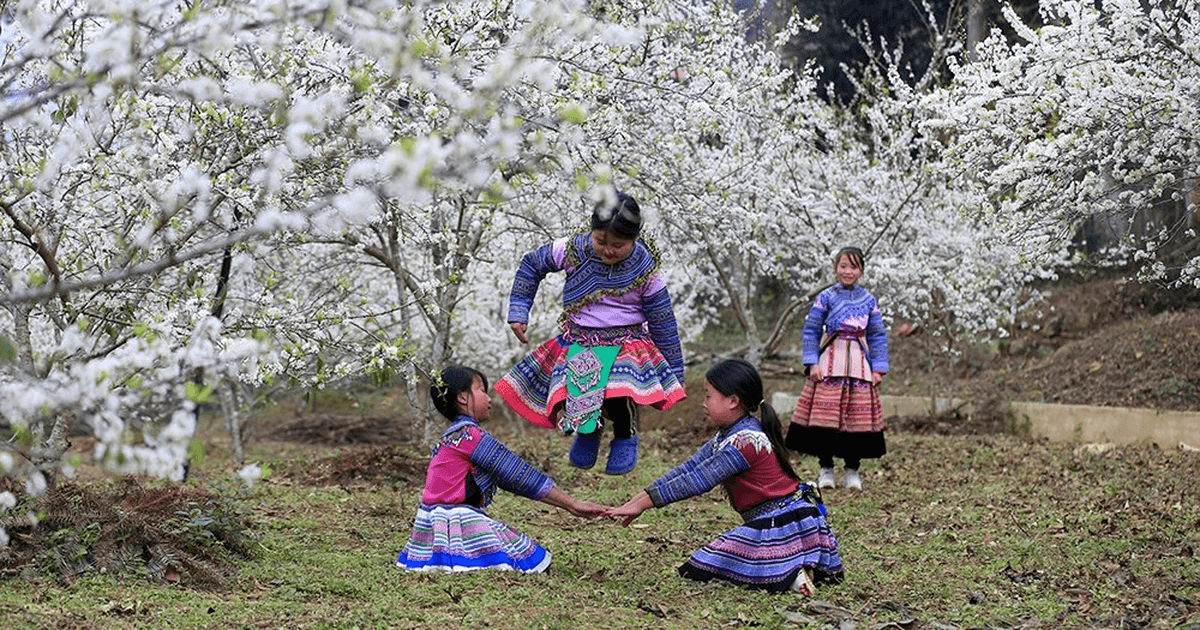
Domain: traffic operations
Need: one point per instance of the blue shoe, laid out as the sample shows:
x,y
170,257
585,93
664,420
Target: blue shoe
x,y
584,450
622,456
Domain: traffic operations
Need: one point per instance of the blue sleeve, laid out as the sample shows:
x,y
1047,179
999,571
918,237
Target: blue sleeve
x,y
510,471
814,326
534,267
660,320
877,341
707,468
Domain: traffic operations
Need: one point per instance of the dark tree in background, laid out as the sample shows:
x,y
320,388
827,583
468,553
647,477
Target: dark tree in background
x,y
891,22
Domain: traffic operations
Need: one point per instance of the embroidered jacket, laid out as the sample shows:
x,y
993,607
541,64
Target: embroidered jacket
x,y
468,464
851,310
739,457
599,295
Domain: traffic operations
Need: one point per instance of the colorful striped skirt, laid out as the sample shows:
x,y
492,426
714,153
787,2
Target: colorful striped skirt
x,y
538,382
463,538
840,403
777,540
838,417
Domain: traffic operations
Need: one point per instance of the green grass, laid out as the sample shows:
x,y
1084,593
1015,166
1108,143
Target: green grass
x,y
982,531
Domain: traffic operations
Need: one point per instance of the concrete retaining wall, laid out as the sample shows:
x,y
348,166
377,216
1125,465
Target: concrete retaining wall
x,y
1087,423
1119,425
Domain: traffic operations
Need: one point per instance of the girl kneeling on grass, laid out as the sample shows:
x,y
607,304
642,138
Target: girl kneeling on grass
x,y
452,532
784,542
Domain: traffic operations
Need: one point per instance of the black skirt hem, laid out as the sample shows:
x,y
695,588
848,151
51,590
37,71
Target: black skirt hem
x,y
825,442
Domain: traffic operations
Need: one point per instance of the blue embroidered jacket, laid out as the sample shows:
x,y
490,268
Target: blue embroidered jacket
x,y
468,464
591,281
740,457
846,309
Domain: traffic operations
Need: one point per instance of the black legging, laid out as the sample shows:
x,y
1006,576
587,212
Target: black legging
x,y
622,413
826,461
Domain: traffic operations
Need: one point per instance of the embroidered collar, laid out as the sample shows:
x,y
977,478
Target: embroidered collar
x,y
747,422
589,279
748,430
460,422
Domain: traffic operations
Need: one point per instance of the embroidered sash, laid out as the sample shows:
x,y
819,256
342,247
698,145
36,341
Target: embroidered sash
x,y
587,377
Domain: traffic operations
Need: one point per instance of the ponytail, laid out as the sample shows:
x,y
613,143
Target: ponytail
x,y
774,430
452,381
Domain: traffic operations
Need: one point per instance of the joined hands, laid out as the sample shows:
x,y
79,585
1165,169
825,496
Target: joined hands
x,y
632,508
587,509
627,513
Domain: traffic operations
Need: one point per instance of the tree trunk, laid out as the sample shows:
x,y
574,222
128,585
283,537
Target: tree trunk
x,y
47,456
20,315
231,409
976,28
771,347
741,303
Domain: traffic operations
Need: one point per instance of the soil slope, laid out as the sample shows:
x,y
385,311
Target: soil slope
x,y
1106,343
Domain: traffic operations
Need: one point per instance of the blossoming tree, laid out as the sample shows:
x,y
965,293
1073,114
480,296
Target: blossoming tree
x,y
1092,115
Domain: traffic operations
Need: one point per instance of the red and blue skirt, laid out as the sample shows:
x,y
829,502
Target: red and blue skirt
x,y
538,382
455,538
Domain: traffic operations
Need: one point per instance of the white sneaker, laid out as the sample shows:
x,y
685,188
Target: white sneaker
x,y
825,479
803,584
850,479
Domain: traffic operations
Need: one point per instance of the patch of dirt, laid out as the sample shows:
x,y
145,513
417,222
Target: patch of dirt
x,y
1105,342
370,466
170,535
329,427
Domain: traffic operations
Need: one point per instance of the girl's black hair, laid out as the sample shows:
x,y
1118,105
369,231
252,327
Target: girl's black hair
x,y
623,218
855,254
454,380
735,377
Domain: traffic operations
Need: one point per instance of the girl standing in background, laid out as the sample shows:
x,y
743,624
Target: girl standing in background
x,y
845,356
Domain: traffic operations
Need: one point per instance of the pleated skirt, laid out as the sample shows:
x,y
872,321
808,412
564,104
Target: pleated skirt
x,y
840,416
538,382
768,550
455,538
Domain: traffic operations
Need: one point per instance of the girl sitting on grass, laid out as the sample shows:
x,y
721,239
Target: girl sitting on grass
x,y
452,532
784,542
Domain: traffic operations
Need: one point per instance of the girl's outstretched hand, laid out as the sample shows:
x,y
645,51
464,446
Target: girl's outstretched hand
x,y
587,509
632,509
519,330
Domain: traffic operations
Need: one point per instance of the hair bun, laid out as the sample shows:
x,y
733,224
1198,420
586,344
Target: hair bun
x,y
624,218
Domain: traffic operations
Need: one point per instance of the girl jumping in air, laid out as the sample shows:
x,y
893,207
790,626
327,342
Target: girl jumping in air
x,y
452,532
784,542
618,347
846,355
